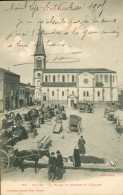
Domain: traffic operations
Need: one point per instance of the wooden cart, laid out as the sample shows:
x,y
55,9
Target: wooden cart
x,y
58,127
75,124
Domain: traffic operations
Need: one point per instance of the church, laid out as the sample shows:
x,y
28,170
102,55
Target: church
x,y
71,85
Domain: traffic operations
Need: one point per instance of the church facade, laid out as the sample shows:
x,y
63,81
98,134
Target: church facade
x,y
71,85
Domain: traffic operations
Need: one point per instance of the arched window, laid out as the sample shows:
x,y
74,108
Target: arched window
x,y
97,78
58,77
110,78
113,78
54,78
83,93
106,78
49,77
87,93
63,78
39,62
46,78
38,83
72,78
98,93
62,93
101,78
52,93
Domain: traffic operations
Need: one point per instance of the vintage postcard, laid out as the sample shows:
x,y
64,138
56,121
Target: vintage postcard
x,y
61,97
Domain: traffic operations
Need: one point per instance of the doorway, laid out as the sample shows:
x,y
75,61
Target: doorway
x,y
72,103
44,98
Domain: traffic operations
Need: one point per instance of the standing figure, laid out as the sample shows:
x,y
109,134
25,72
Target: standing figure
x,y
32,126
81,145
52,167
59,165
76,155
41,118
22,132
18,117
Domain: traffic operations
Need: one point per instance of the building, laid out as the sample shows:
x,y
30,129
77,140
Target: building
x,y
26,94
9,90
14,94
70,85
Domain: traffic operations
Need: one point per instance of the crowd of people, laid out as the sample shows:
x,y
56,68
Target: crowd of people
x,y
55,164
16,123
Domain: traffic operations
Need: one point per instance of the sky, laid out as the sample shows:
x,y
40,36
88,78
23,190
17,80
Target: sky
x,y
90,36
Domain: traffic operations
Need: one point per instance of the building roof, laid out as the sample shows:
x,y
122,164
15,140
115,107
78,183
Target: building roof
x,y
8,71
40,45
25,84
90,70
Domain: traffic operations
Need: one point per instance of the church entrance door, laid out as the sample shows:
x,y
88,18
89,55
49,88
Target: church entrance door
x,y
72,100
72,103
44,98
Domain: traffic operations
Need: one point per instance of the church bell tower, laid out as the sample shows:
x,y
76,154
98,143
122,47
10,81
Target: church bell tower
x,y
39,66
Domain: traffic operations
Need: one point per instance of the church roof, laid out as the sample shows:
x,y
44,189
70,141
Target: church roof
x,y
90,70
40,45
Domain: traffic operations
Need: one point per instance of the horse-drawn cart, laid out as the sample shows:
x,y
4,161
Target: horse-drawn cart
x,y
29,150
4,156
110,115
109,111
58,127
4,160
82,108
75,124
86,108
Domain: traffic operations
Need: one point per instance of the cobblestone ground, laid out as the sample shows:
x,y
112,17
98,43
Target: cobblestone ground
x,y
102,141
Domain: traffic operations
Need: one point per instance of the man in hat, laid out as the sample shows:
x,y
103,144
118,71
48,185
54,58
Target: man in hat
x,y
52,167
59,165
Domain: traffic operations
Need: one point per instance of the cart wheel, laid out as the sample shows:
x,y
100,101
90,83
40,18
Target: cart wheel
x,y
5,161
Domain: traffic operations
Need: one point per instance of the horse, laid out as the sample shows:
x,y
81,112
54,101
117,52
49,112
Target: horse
x,y
30,155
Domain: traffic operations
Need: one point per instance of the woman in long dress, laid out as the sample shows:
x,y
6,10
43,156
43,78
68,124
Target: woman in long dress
x,y
81,145
76,155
